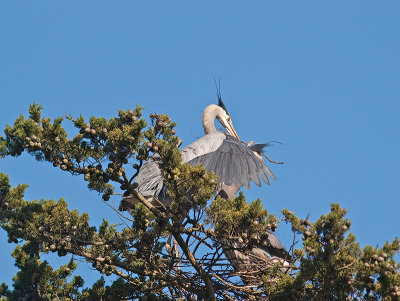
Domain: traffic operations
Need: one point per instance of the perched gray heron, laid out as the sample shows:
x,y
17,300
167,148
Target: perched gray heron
x,y
235,164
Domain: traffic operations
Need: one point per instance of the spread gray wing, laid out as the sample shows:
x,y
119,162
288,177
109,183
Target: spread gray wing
x,y
233,162
229,159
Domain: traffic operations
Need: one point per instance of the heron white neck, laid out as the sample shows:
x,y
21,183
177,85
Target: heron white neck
x,y
208,118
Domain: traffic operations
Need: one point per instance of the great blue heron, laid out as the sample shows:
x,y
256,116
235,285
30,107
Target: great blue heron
x,y
235,164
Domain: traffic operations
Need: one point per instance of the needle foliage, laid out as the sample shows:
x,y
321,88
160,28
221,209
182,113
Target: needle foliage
x,y
327,262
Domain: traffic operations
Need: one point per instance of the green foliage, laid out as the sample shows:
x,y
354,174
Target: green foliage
x,y
100,152
189,187
328,264
332,266
4,184
235,218
37,280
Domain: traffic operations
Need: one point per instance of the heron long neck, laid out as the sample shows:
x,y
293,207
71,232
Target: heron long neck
x,y
208,118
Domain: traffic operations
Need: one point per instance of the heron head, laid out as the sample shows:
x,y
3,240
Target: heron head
x,y
225,119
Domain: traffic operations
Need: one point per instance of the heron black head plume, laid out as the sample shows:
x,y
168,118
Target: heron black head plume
x,y
218,88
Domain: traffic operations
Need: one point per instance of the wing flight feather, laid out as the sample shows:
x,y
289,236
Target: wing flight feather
x,y
232,161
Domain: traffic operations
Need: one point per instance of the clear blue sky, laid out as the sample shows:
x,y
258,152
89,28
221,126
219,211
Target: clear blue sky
x,y
322,77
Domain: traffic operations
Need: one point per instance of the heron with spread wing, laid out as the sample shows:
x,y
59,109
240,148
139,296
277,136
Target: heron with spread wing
x,y
235,164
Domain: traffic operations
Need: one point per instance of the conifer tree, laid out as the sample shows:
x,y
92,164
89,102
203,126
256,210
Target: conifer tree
x,y
327,263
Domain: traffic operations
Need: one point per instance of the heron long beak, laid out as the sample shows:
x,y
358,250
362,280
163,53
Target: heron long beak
x,y
231,130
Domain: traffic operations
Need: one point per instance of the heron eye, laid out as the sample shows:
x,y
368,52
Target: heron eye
x,y
229,118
